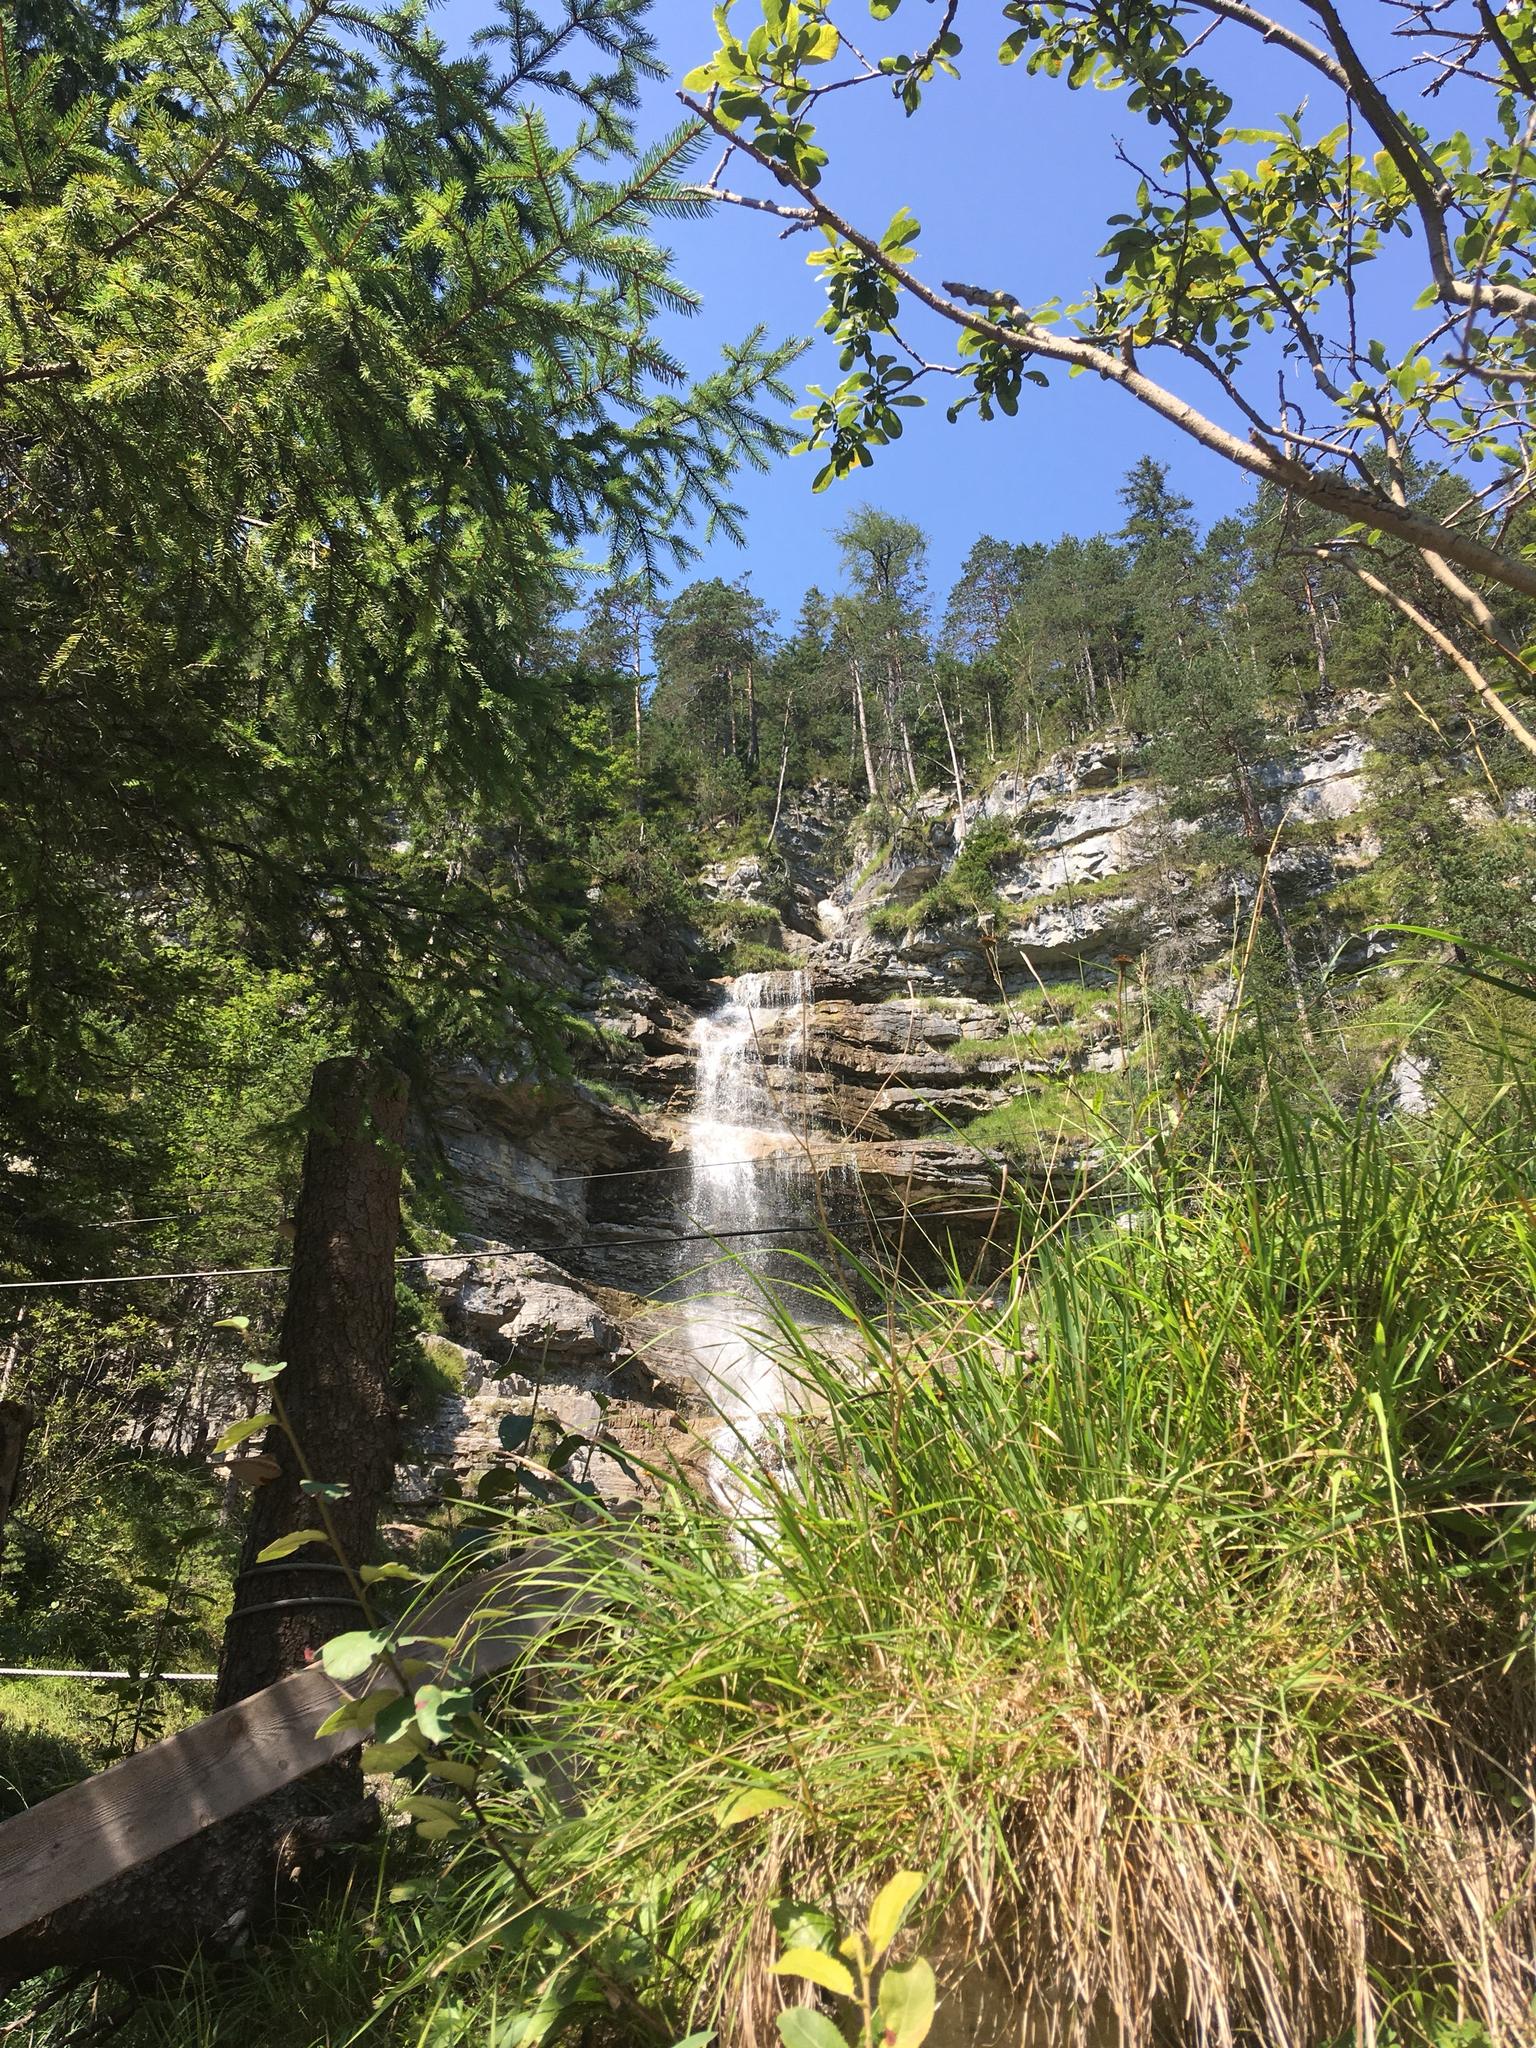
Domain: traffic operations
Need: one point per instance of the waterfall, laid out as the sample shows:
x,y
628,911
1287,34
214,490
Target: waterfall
x,y
746,1136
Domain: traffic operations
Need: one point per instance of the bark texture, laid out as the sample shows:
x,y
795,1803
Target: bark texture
x,y
15,1425
337,1343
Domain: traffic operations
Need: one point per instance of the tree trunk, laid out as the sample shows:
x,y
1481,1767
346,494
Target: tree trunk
x,y
15,1424
1319,632
778,801
954,765
751,717
906,755
337,1341
862,720
639,706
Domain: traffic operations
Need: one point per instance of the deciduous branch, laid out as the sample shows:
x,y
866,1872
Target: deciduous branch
x,y
1022,335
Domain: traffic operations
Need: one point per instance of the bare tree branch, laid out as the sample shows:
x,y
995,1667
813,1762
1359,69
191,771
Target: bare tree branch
x,y
1443,644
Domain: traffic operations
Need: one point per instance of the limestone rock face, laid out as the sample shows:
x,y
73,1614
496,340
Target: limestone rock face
x,y
1325,782
747,880
519,1152
522,1307
532,1342
550,1324
1099,765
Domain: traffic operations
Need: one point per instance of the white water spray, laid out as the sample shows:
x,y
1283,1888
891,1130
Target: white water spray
x,y
746,1142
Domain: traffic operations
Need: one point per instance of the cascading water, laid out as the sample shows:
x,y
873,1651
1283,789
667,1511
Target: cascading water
x,y
747,1147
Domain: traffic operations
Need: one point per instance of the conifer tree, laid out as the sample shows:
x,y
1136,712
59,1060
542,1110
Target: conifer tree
x,y
320,353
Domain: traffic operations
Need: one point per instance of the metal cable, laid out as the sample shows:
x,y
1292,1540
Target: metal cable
x,y
140,1677
599,1244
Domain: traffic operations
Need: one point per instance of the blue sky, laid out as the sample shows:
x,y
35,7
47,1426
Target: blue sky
x,y
1055,468
1012,178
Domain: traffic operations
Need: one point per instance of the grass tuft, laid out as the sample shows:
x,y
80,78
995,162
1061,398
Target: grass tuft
x,y
1170,1607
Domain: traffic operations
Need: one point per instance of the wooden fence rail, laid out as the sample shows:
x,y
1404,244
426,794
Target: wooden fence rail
x,y
69,1846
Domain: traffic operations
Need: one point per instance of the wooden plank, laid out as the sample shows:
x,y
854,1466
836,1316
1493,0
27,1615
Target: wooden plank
x,y
135,1810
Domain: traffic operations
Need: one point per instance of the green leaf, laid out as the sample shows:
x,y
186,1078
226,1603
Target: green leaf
x,y
513,1431
262,1373
800,1926
740,1806
816,1968
802,2027
237,1432
901,234
891,1903
285,1546
438,1830
502,1482
907,2000
233,1323
350,1655
370,1574
455,1773
324,1489
350,1714
438,1707
423,1806
381,1757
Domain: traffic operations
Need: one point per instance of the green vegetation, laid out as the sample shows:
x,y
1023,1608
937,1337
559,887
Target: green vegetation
x,y
734,920
1038,1042
750,956
311,1980
1042,1118
1129,1630
1068,1595
967,889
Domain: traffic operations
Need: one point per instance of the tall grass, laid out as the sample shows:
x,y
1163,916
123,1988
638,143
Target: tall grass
x,y
1171,1608
1168,1602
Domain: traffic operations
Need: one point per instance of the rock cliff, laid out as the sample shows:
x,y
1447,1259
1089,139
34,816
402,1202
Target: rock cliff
x,y
950,965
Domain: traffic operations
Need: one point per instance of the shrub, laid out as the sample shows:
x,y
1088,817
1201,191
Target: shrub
x,y
748,956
